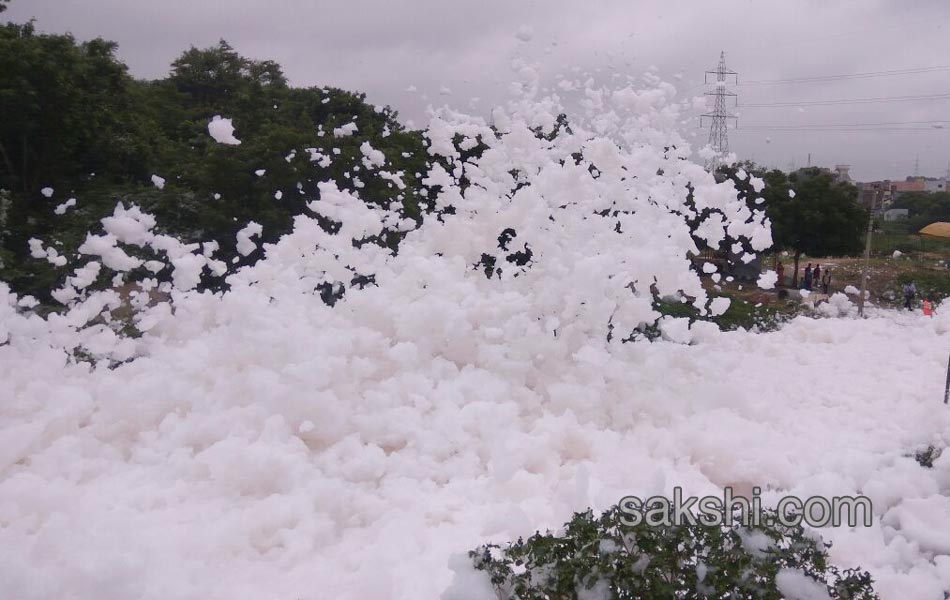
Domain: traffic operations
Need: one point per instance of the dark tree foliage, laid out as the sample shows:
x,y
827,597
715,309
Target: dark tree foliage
x,y
67,111
68,118
820,217
823,219
75,121
218,78
923,208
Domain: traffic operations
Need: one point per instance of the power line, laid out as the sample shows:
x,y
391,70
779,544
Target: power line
x,y
942,96
868,75
837,130
932,122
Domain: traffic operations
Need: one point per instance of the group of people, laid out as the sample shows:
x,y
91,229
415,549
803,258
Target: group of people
x,y
818,278
910,297
814,278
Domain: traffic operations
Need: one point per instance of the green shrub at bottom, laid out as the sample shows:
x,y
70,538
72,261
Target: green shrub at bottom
x,y
601,557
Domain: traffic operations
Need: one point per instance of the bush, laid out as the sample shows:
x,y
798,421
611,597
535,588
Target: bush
x,y
604,558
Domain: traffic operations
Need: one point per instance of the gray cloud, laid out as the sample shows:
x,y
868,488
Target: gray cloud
x,y
381,47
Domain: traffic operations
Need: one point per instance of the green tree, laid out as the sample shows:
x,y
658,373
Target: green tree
x,y
75,121
66,109
923,208
810,212
68,123
822,219
277,124
218,78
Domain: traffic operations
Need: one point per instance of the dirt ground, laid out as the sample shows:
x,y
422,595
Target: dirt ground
x,y
888,271
886,275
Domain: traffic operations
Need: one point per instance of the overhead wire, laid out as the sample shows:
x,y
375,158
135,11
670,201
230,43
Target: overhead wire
x,y
740,129
847,76
840,101
933,123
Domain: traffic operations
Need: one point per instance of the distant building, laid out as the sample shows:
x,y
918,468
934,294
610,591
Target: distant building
x,y
842,173
935,185
911,184
879,195
875,195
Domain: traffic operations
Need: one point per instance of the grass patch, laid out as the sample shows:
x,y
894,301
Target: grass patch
x,y
888,239
741,314
930,284
746,315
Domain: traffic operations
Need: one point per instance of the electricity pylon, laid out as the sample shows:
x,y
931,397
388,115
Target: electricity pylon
x,y
718,130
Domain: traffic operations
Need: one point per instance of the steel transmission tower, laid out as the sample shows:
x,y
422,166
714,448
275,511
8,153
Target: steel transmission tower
x,y
718,134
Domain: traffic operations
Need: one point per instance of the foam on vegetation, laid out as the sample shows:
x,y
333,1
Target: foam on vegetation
x,y
262,443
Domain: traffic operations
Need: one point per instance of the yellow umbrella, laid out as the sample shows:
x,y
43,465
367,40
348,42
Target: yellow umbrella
x,y
937,230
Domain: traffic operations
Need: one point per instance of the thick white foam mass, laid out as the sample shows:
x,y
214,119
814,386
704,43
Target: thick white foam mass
x,y
260,444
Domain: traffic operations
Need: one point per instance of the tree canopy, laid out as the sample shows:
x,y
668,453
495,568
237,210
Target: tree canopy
x,y
923,208
77,125
822,219
811,213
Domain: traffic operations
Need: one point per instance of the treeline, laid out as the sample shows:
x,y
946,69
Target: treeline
x,y
76,125
923,208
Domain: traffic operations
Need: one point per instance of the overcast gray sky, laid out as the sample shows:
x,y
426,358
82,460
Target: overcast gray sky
x,y
382,47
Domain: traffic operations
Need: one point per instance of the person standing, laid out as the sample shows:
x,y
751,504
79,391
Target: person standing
x,y
910,292
806,280
928,308
826,281
816,276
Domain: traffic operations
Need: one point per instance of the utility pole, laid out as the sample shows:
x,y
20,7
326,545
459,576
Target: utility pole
x,y
867,261
718,135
